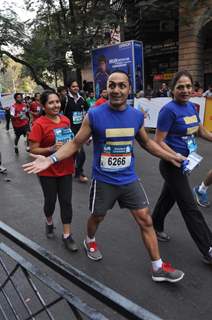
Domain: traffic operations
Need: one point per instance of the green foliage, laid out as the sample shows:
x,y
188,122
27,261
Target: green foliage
x,y
60,27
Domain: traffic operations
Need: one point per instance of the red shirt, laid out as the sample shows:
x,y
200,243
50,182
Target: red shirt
x,y
35,107
100,101
43,132
18,112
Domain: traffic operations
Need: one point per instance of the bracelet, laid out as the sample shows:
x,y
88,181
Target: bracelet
x,y
54,158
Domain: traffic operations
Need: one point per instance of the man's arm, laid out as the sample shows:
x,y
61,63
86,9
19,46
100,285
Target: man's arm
x,y
41,162
155,149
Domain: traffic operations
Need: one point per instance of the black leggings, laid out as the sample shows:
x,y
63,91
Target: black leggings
x,y
177,189
80,160
61,187
7,118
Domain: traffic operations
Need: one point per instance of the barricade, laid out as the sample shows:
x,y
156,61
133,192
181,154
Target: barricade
x,y
79,310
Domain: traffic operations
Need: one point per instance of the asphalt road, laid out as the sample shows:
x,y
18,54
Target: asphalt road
x,y
125,266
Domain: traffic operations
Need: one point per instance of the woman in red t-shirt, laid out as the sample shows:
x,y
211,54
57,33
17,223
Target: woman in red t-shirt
x,y
49,133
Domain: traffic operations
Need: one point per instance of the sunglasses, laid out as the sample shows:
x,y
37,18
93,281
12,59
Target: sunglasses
x,y
183,86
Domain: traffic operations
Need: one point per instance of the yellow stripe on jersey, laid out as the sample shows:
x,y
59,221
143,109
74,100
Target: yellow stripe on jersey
x,y
119,143
191,119
192,130
120,132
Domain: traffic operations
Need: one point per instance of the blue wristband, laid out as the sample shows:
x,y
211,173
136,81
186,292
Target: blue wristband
x,y
54,158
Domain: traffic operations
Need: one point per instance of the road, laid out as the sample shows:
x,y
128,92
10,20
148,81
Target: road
x,y
125,266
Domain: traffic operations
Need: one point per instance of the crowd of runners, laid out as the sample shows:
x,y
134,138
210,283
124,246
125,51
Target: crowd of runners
x,y
57,124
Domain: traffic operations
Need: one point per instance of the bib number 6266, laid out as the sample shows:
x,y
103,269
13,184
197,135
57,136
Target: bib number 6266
x,y
121,161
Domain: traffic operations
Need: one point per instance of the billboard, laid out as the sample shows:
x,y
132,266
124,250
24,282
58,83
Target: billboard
x,y
126,56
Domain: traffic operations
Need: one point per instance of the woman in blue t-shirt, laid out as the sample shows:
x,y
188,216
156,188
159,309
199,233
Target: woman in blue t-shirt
x,y
178,122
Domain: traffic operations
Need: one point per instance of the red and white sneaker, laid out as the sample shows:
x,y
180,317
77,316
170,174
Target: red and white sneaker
x,y
92,250
167,273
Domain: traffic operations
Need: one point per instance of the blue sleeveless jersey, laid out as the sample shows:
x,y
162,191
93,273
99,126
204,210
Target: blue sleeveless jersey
x,y
113,137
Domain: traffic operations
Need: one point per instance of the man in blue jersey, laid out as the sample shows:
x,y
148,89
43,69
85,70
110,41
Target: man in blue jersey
x,y
114,127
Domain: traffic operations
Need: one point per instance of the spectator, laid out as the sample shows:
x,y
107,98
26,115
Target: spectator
x,y
102,99
91,99
198,90
148,92
208,93
163,91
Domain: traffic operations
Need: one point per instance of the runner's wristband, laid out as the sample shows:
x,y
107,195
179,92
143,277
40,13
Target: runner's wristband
x,y
54,158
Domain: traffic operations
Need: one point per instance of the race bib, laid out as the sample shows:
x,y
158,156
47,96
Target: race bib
x,y
191,143
63,135
77,117
115,158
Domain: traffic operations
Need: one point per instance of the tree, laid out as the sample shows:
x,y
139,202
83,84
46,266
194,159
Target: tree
x,y
60,26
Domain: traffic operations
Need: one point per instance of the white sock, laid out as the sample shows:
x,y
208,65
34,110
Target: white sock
x,y
203,188
157,264
49,223
66,235
90,239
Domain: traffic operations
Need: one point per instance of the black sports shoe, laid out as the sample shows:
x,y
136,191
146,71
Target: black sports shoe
x,y
16,149
50,231
162,236
208,258
70,244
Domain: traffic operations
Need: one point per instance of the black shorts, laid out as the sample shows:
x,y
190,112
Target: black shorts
x,y
103,196
22,130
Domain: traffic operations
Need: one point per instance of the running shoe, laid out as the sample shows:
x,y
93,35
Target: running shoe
x,y
50,231
167,273
162,236
82,178
16,149
208,258
70,244
201,197
92,250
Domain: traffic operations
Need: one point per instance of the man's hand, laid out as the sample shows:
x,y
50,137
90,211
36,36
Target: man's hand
x,y
41,163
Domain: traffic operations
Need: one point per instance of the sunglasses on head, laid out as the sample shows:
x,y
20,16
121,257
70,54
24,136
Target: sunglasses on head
x,y
183,86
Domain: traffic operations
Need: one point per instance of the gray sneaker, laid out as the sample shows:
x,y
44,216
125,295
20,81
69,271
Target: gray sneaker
x,y
167,273
162,236
70,244
92,250
50,231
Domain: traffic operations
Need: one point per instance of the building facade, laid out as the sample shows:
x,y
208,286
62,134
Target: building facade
x,y
176,35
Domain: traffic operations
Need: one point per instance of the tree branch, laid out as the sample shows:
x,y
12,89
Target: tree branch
x,y
33,73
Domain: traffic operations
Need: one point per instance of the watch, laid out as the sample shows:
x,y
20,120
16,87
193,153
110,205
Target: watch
x,y
54,158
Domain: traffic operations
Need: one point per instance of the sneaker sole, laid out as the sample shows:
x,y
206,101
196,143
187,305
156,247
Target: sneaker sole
x,y
162,239
204,260
163,279
71,250
52,236
87,253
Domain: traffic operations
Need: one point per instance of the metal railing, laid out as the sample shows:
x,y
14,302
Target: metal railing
x,y
80,310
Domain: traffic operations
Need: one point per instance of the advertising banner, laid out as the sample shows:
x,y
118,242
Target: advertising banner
x,y
139,67
152,107
125,56
208,114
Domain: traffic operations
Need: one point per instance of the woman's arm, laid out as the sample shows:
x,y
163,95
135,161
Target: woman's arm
x,y
159,138
36,149
204,133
